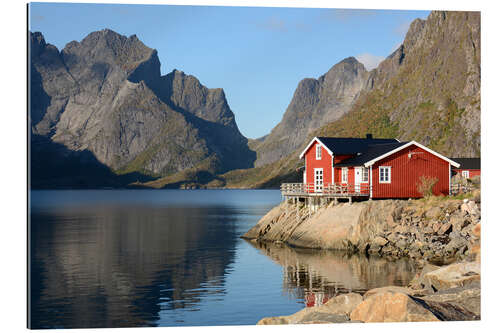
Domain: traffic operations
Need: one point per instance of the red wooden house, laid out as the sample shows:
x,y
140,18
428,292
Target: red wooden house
x,y
469,167
376,168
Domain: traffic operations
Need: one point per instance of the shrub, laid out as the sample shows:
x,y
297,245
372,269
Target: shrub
x,y
425,185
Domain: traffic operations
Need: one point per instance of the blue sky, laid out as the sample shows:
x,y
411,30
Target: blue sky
x,y
257,55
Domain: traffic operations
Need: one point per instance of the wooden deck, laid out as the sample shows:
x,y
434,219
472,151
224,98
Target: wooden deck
x,y
293,190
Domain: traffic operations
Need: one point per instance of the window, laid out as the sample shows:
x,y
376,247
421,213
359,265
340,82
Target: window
x,y
344,175
364,178
384,174
465,173
318,151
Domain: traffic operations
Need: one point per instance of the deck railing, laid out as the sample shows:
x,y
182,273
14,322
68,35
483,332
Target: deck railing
x,y
460,188
334,190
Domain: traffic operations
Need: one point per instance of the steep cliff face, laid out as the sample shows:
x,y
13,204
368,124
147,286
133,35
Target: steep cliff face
x,y
314,103
186,92
105,95
427,90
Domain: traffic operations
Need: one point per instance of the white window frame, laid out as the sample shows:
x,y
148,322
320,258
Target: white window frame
x,y
380,172
365,172
465,173
318,151
345,175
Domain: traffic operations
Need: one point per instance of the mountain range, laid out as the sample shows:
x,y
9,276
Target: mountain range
x,y
427,90
103,114
102,103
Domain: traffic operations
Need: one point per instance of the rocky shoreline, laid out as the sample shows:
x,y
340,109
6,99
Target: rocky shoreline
x,y
447,293
441,234
437,230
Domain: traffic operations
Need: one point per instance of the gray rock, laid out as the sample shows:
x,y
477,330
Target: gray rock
x,y
454,275
468,297
314,103
323,318
445,229
105,95
434,213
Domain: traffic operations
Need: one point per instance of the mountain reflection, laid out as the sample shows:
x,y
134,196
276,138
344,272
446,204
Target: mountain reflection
x,y
315,276
116,265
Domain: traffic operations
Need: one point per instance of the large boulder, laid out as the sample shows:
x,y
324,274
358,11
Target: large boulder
x,y
467,298
391,307
316,317
392,289
336,310
343,304
454,275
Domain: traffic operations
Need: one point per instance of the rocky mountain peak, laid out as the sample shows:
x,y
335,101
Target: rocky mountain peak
x,y
108,46
314,103
37,42
103,100
427,90
187,93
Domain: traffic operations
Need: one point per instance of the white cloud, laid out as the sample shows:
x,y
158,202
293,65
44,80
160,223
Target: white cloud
x,y
370,61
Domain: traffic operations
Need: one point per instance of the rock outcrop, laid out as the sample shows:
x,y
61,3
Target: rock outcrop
x,y
391,307
436,293
437,230
397,304
105,95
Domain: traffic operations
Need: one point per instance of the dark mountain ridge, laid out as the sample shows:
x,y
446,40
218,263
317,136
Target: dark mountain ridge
x,y
105,95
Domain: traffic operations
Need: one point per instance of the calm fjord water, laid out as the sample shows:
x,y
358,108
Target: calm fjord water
x,y
114,258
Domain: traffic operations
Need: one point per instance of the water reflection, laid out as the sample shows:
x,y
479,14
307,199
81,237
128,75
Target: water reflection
x,y
315,276
120,265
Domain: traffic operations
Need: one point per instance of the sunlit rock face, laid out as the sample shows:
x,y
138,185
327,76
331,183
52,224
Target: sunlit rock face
x,y
314,103
105,95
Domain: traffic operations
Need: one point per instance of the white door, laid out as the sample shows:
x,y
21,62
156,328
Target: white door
x,y
318,180
358,174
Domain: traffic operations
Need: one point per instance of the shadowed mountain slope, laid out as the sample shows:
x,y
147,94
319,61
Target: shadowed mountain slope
x,y
105,95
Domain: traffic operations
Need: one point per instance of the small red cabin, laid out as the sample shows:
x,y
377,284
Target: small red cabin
x,y
378,168
469,167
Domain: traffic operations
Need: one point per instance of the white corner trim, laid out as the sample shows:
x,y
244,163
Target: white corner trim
x,y
371,162
371,182
309,145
